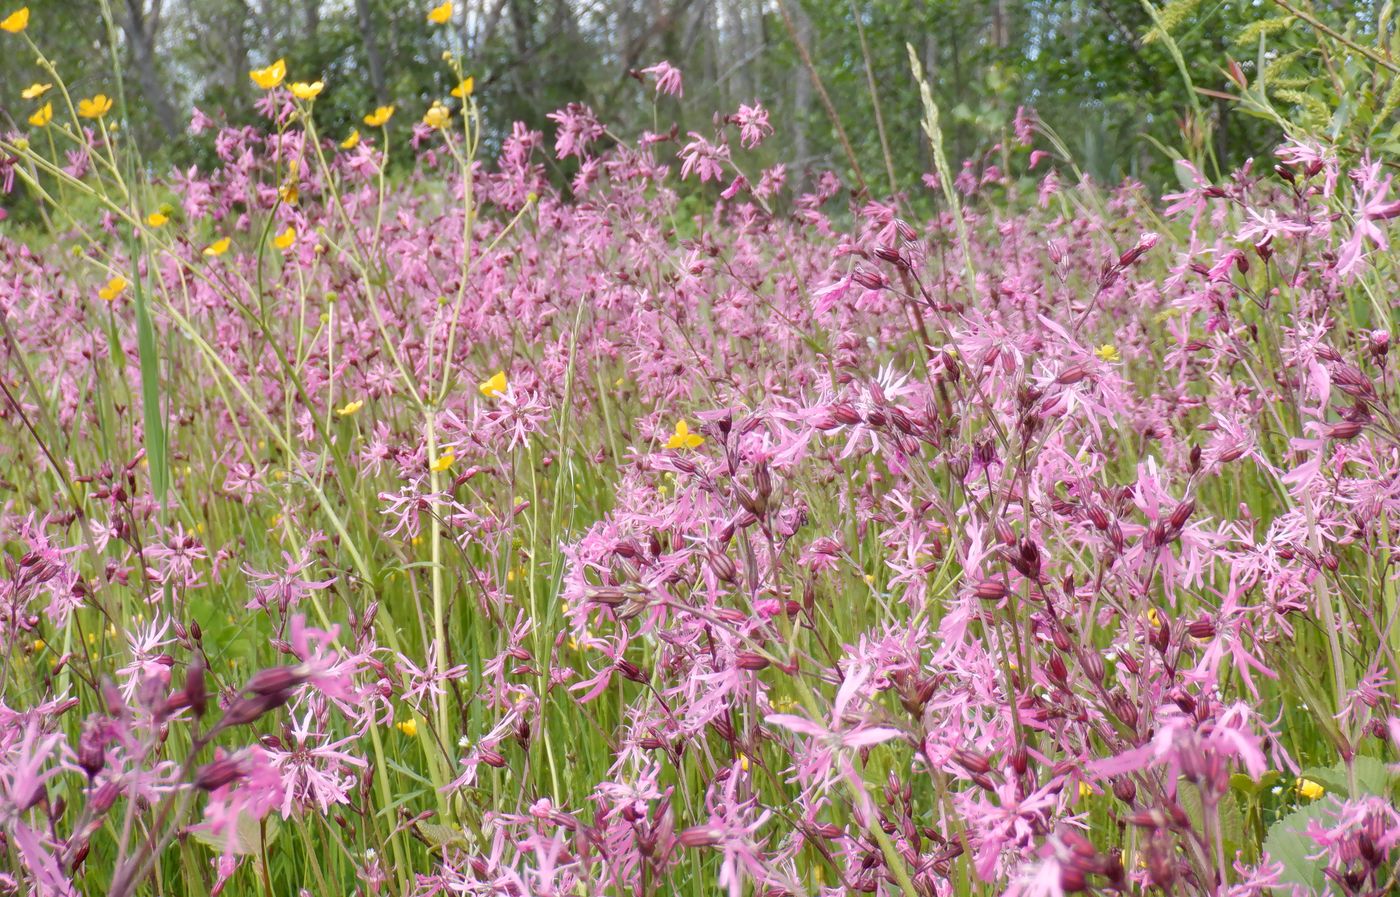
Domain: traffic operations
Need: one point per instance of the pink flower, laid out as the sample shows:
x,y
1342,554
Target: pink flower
x,y
668,78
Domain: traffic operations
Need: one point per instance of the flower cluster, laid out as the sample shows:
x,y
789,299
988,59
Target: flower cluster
x,y
482,536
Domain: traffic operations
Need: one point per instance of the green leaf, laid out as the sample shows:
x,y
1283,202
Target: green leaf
x,y
1241,783
153,418
243,841
1227,812
1287,843
1372,777
442,835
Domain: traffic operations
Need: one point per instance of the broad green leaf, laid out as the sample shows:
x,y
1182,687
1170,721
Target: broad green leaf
x,y
1287,842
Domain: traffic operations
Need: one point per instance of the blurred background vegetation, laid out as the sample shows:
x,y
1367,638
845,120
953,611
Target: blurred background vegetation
x,y
1128,85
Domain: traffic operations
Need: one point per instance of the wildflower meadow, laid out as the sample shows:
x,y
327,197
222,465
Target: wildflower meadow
x,y
442,505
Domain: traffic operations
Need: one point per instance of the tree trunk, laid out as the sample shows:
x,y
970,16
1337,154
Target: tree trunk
x,y
140,28
801,102
371,41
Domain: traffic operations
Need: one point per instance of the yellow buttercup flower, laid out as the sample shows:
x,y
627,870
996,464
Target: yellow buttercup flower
x,y
218,247
444,462
464,88
285,239
18,20
96,107
437,115
439,15
495,385
408,727
304,91
290,194
1309,789
350,408
114,288
157,219
34,91
1108,352
379,117
352,141
683,438
271,76
42,116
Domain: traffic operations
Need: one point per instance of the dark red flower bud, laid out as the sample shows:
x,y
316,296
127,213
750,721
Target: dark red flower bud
x,y
630,670
219,773
972,761
748,660
1181,513
1346,429
274,680
990,590
1201,629
699,836
870,278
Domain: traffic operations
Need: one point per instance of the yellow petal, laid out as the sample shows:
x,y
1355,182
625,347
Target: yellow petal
x,y
304,91
379,117
285,239
18,20
156,219
1310,789
437,115
464,88
1108,352
408,727
352,141
496,385
42,116
96,107
439,15
218,247
443,462
683,438
271,76
34,91
114,288
350,408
